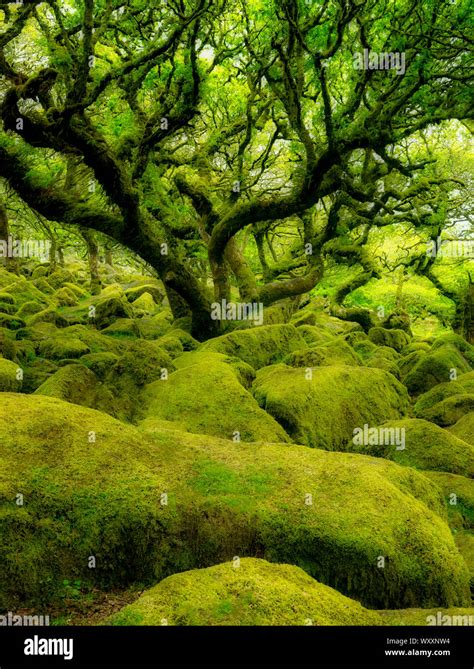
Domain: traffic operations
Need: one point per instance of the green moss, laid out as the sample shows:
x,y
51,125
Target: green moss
x,y
142,363
427,446
11,322
458,342
223,407
459,493
334,352
62,346
244,373
72,383
99,363
450,410
104,498
461,386
48,315
144,305
7,298
156,326
253,593
464,428
396,339
314,335
29,308
435,367
122,328
65,297
109,309
152,289
8,347
8,376
323,410
259,346
60,276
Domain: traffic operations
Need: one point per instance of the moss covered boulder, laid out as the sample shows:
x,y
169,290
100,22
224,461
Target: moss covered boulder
x,y
244,592
322,407
418,443
206,397
146,507
435,367
459,494
144,305
396,339
61,347
258,346
108,309
10,376
72,383
334,352
464,428
244,373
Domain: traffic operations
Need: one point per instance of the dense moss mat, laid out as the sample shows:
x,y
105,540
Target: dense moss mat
x,y
459,493
73,383
206,397
462,385
146,507
10,380
426,446
428,617
334,352
396,339
437,365
260,346
247,592
464,428
323,408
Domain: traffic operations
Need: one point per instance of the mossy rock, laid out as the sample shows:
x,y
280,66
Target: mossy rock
x,y
142,363
65,297
11,322
79,292
384,358
396,339
314,335
464,428
464,384
465,543
458,342
334,352
8,347
100,363
156,326
435,367
30,308
258,346
48,315
322,409
58,348
97,342
109,309
398,321
7,308
250,592
72,383
122,327
154,291
36,372
459,494
207,398
187,341
449,411
144,305
171,344
426,446
101,497
59,277
43,286
244,373
9,381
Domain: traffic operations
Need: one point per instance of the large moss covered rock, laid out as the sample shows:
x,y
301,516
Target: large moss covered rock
x,y
334,352
321,408
435,367
463,385
108,309
459,493
464,428
72,383
451,410
259,346
247,592
420,444
62,347
10,379
396,339
206,397
145,507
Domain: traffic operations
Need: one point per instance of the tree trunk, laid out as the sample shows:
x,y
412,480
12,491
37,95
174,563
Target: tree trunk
x,y
93,255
